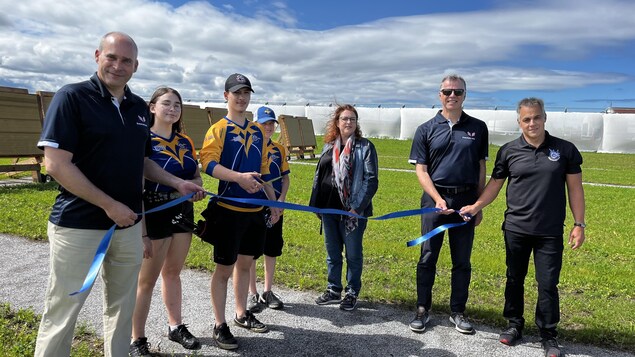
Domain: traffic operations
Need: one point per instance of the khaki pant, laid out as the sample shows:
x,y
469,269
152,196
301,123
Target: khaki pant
x,y
71,254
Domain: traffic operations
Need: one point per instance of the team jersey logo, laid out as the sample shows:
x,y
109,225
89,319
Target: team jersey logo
x,y
469,135
554,155
245,136
273,159
173,149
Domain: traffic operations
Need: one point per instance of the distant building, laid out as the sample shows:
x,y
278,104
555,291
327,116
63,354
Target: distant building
x,y
620,110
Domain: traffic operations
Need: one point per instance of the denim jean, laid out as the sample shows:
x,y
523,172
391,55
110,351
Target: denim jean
x,y
336,240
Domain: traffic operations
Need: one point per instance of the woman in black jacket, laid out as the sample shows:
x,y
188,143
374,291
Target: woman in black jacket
x,y
346,179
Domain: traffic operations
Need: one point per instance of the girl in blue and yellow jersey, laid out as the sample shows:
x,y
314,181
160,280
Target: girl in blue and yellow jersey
x,y
166,244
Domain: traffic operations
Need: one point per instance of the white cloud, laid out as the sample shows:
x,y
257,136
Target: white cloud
x,y
194,47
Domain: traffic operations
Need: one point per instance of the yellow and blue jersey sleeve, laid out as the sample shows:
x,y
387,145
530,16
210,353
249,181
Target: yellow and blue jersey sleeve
x,y
213,146
277,163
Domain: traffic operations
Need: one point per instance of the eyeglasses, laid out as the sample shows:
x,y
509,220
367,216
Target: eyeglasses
x,y
457,92
175,106
348,119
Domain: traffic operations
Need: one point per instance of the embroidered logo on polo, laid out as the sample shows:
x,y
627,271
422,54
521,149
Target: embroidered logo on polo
x,y
554,155
469,135
141,120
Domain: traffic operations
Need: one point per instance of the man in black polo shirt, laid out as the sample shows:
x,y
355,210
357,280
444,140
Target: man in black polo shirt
x,y
449,152
538,167
96,146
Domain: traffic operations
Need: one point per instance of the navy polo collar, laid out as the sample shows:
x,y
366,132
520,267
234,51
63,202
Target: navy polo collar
x,y
104,91
440,119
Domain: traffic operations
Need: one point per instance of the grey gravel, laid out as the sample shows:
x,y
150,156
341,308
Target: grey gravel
x,y
301,329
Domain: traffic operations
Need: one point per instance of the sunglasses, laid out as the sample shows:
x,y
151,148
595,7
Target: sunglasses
x,y
457,92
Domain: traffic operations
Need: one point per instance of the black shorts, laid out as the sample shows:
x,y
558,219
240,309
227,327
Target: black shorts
x,y
273,240
235,233
159,224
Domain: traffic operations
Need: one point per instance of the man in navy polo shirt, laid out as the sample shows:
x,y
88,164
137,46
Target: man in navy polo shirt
x,y
449,152
96,146
538,167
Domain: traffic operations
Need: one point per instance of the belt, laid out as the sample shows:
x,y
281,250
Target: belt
x,y
454,190
154,197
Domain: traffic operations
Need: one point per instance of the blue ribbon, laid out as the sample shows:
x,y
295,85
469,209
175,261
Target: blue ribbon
x,y
105,243
432,233
397,214
297,207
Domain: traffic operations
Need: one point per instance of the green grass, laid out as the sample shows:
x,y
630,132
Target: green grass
x,y
18,332
597,281
15,175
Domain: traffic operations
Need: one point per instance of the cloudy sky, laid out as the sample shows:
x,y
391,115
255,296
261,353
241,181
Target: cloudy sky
x,y
576,54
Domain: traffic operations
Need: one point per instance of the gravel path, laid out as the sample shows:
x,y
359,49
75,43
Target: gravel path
x,y
301,329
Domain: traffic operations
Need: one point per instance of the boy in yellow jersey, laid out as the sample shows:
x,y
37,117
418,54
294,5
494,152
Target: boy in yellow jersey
x,y
234,152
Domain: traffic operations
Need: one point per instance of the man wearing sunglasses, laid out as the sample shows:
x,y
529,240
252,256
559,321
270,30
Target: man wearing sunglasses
x,y
449,153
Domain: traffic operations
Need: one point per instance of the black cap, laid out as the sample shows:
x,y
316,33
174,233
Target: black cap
x,y
237,81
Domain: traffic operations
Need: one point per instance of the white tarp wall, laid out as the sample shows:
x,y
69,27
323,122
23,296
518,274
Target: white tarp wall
x,y
619,133
611,133
294,110
502,124
582,129
211,105
379,122
319,115
411,118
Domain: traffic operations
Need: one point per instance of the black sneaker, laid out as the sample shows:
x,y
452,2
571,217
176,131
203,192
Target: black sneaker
x,y
418,324
253,303
251,323
328,297
271,300
551,347
349,303
510,336
140,348
224,337
184,337
461,323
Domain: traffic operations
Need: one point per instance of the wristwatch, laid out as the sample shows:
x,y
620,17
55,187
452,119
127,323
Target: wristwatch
x,y
581,225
